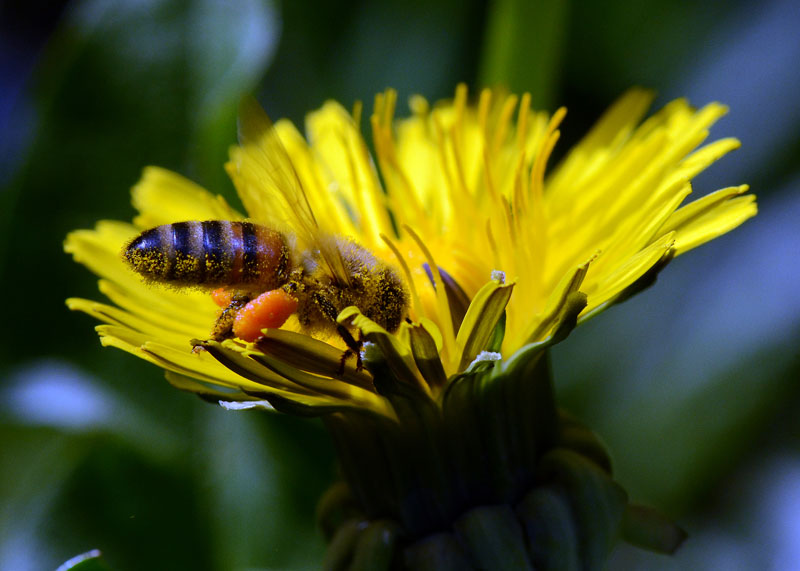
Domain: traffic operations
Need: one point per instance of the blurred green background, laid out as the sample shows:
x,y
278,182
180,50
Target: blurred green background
x,y
693,384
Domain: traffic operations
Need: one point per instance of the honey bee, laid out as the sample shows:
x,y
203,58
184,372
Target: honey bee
x,y
264,275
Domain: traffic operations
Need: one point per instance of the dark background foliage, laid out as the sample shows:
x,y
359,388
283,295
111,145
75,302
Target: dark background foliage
x,y
693,384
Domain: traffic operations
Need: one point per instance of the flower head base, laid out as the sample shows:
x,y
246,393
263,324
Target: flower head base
x,y
459,196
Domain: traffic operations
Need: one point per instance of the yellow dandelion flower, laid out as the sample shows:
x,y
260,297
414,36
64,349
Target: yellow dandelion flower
x,y
460,193
499,256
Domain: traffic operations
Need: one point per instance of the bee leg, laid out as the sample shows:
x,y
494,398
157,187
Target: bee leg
x,y
223,328
353,346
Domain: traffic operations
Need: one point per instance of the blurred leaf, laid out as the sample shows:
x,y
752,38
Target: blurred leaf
x,y
228,52
244,496
351,51
120,86
36,462
618,43
649,529
64,492
51,393
524,46
136,511
262,474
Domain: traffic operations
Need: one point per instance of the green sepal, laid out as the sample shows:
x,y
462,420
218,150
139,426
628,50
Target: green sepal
x,y
456,387
407,401
559,311
457,299
494,538
649,529
438,552
308,354
336,506
597,502
332,388
359,440
398,469
568,319
575,436
396,371
340,550
375,547
462,422
480,367
247,368
529,403
550,528
285,394
426,356
504,418
495,342
384,381
479,323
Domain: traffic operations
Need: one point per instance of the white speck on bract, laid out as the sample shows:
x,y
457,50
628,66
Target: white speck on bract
x,y
233,405
369,351
486,356
498,276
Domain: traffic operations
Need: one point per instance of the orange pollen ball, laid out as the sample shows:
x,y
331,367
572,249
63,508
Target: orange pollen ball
x,y
222,296
269,310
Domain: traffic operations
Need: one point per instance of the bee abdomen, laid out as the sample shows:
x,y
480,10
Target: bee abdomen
x,y
210,254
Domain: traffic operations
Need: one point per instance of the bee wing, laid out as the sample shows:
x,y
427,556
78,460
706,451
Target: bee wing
x,y
272,189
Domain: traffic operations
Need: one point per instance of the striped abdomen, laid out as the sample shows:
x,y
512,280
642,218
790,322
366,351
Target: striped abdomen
x,y
211,254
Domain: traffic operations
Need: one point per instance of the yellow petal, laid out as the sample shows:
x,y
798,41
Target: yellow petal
x,y
539,328
182,361
115,316
716,222
426,356
628,272
347,168
164,197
